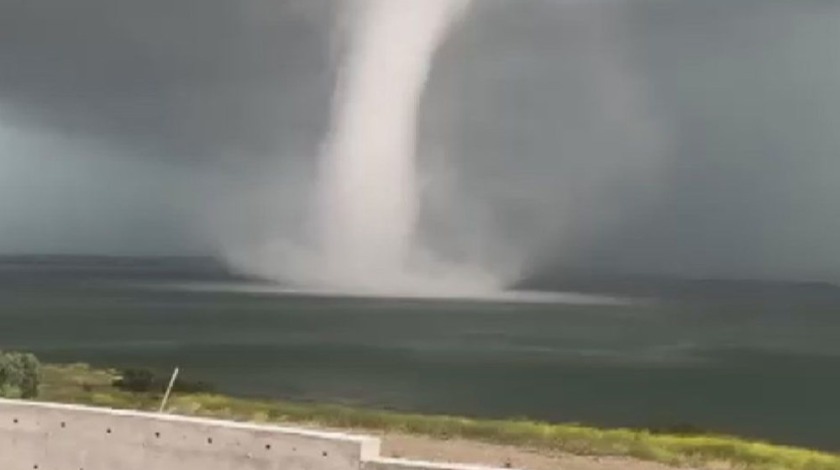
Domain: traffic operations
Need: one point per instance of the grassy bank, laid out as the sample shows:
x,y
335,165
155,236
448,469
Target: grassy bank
x,y
84,385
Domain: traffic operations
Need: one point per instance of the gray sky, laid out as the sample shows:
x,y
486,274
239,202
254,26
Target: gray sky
x,y
696,137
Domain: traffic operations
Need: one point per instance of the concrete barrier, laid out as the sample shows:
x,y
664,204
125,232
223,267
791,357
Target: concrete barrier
x,y
47,436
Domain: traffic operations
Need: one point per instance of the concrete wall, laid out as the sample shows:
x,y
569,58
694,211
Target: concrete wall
x,y
44,436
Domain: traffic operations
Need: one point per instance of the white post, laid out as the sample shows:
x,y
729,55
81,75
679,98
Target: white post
x,y
168,390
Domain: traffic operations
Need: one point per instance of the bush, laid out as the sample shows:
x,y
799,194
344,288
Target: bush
x,y
145,380
20,375
136,380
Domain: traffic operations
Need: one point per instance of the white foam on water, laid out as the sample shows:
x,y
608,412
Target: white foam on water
x,y
509,296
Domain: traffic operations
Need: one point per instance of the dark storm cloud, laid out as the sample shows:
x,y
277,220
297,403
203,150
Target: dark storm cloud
x,y
739,99
106,106
182,78
689,136
751,90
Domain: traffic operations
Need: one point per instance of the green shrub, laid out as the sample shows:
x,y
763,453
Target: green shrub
x,y
136,380
20,375
145,380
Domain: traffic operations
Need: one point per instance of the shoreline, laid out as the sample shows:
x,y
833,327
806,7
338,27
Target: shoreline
x,y
502,443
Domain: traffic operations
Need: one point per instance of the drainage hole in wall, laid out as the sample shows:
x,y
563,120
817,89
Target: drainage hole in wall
x,y
63,424
15,420
157,435
268,447
108,431
324,453
209,440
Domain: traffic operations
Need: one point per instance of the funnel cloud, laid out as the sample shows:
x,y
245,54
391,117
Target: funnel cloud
x,y
369,195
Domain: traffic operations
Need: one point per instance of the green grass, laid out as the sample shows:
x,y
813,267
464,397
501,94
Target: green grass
x,y
84,385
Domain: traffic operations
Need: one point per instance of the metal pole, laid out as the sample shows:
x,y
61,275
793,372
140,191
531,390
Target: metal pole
x,y
168,390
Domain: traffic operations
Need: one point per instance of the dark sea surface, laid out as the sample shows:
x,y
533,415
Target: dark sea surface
x,y
754,360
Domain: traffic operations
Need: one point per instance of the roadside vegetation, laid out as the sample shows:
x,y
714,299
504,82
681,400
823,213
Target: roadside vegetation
x,y
82,384
20,375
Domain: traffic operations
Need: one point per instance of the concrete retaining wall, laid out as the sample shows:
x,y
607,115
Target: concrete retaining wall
x,y
45,436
